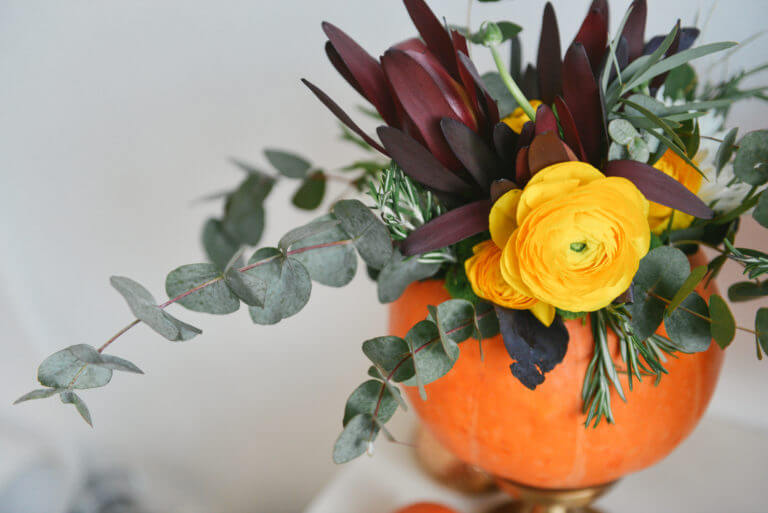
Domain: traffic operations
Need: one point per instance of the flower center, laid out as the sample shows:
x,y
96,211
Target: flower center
x,y
578,247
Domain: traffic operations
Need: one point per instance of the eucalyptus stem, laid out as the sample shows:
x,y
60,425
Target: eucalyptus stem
x,y
516,92
700,316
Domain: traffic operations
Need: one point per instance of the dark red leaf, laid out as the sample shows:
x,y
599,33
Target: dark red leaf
x,y
658,80
659,187
536,349
478,158
418,163
468,80
488,104
500,187
530,83
434,35
338,63
545,120
526,134
522,171
582,96
450,228
593,33
425,102
549,62
634,29
622,58
688,36
365,69
342,116
570,133
505,142
545,150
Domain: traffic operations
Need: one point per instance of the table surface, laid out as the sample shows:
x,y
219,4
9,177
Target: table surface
x,y
721,467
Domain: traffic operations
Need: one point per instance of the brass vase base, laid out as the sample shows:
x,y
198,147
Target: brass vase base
x,y
539,500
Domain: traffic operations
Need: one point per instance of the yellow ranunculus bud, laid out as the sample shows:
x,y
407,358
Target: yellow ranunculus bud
x,y
518,118
484,274
674,166
580,237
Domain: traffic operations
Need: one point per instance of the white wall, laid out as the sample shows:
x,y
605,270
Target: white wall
x,y
114,116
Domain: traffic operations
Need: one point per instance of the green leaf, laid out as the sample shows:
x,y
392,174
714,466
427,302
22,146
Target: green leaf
x,y
334,263
143,306
638,150
376,373
726,149
751,163
288,164
244,210
369,166
761,210
689,332
214,298
689,285
74,367
364,400
430,360
371,237
761,327
486,322
388,353
499,92
219,245
69,397
287,283
681,83
622,131
455,324
746,291
509,29
302,232
662,272
40,393
401,272
358,433
310,193
723,324
119,364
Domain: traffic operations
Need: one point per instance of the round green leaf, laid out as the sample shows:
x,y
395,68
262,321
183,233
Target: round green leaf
x,y
215,298
73,367
219,245
244,210
761,210
745,291
622,131
310,193
751,163
400,272
723,324
330,264
365,398
431,361
371,237
288,286
389,352
288,164
761,327
353,441
689,332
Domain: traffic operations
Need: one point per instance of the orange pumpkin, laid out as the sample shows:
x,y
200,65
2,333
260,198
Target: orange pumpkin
x,y
426,507
480,412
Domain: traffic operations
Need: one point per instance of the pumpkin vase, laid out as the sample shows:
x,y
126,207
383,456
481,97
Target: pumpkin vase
x,y
535,441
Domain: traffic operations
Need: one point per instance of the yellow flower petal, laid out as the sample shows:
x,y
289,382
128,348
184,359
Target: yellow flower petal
x,y
543,312
502,221
662,217
484,274
519,118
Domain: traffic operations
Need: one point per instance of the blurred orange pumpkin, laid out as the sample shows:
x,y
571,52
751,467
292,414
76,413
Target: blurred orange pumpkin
x,y
537,438
426,507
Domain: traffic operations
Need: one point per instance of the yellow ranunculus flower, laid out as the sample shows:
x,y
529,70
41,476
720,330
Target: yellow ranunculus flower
x,y
674,166
484,274
579,243
518,118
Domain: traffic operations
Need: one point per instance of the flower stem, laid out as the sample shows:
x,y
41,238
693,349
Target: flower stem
x,y
516,92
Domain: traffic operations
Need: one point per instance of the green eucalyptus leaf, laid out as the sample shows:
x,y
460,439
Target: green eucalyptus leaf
x,y
751,162
371,237
143,306
621,131
288,164
119,364
690,332
69,397
365,398
723,324
302,232
681,83
401,272
359,432
761,327
40,393
455,323
214,298
617,152
688,286
761,210
389,353
662,272
334,263
369,166
74,367
638,150
310,193
746,291
218,244
486,321
726,149
499,92
431,361
287,283
244,210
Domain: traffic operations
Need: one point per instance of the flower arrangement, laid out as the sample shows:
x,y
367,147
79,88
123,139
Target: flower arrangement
x,y
569,191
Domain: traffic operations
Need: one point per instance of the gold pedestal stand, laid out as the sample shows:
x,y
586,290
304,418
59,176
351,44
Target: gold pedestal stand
x,y
538,500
